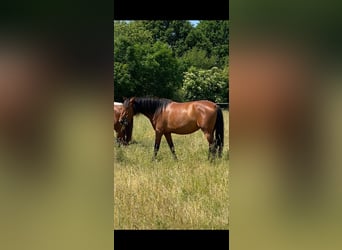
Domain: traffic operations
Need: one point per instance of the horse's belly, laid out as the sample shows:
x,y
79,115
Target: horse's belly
x,y
184,128
183,132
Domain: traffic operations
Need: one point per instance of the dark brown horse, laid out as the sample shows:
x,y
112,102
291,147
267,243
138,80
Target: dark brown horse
x,y
123,131
167,116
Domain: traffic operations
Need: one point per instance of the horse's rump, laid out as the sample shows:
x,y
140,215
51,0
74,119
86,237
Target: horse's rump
x,y
187,117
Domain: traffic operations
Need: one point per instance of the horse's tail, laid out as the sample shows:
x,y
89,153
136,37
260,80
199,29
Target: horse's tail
x,y
219,131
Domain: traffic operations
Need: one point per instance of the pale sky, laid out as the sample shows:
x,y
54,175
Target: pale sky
x,y
194,22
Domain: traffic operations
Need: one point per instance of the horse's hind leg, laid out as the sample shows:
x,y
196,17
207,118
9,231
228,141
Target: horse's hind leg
x,y
212,146
172,147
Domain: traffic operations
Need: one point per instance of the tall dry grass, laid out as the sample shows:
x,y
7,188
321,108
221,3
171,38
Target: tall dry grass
x,y
191,193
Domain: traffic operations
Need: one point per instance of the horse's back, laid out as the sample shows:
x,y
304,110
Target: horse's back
x,y
205,103
201,106
187,117
192,108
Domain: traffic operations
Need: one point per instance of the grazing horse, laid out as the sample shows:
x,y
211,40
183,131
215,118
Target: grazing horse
x,y
167,116
123,131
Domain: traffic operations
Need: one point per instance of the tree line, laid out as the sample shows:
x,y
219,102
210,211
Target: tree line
x,y
171,59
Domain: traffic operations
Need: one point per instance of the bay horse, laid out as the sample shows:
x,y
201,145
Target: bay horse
x,y
167,116
123,131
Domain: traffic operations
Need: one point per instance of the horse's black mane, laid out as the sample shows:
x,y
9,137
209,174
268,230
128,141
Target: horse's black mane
x,y
148,105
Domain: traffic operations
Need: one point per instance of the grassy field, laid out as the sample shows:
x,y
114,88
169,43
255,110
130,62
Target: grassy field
x,y
191,193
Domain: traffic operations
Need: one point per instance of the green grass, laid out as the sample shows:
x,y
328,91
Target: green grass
x,y
191,193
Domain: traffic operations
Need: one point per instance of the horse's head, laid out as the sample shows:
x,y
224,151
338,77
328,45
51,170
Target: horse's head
x,y
127,113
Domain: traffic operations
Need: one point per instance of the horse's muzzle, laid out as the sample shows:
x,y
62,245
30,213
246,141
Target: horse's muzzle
x,y
124,122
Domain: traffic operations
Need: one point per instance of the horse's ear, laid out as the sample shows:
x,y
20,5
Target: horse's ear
x,y
132,100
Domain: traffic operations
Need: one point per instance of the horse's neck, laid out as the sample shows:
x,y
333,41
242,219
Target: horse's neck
x,y
142,110
152,120
148,115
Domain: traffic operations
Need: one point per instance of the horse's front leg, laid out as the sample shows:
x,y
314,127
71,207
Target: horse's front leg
x,y
156,144
170,142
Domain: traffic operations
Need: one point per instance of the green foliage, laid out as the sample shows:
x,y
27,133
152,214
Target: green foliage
x,y
217,32
141,67
197,38
174,33
209,84
198,58
122,79
158,74
152,58
132,33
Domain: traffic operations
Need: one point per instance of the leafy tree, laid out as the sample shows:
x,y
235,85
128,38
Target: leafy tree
x,y
123,84
205,84
198,39
140,66
132,33
198,58
217,33
225,73
156,71
154,58
174,33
